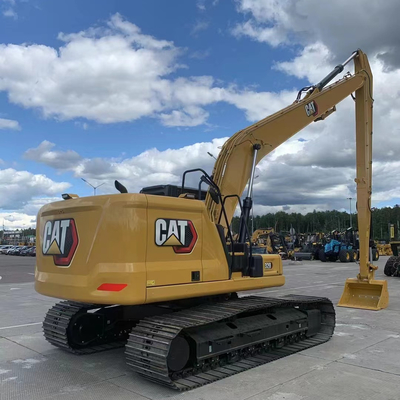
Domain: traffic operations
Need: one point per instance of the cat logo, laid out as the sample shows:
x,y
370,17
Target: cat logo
x,y
60,240
311,108
177,233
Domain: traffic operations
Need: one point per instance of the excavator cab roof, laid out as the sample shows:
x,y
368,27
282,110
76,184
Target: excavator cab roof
x,y
172,191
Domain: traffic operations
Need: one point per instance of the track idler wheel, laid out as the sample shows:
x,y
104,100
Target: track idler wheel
x,y
179,354
85,329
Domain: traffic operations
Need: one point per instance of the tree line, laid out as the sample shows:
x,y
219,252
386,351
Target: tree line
x,y
22,232
325,221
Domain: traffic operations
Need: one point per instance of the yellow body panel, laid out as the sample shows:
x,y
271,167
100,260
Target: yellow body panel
x,y
236,284
116,245
162,264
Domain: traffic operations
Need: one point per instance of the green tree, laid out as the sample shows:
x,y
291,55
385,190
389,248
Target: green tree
x,y
326,221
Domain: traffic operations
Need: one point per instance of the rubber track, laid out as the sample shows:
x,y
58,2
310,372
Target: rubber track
x,y
56,323
148,344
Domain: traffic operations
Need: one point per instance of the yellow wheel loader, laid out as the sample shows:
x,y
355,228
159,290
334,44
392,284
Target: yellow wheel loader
x,y
159,274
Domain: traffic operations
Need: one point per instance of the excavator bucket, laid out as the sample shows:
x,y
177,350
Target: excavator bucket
x,y
368,295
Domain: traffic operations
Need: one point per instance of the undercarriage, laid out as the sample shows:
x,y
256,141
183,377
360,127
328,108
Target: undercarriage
x,y
185,345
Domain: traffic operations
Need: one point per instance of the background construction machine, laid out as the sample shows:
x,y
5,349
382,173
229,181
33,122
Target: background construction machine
x,y
337,250
310,246
344,246
267,241
169,291
392,266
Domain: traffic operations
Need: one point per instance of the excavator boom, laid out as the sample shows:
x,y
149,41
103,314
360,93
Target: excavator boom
x,y
245,149
234,163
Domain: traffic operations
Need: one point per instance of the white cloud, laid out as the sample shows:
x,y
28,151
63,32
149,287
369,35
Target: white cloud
x,y
134,68
32,207
199,26
114,74
56,159
313,170
6,7
200,54
338,130
23,194
19,188
254,31
200,4
260,105
148,168
330,146
340,25
65,82
189,116
10,13
16,220
286,178
26,216
9,124
314,62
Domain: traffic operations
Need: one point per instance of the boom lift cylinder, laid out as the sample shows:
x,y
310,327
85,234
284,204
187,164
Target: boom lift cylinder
x,y
248,201
338,69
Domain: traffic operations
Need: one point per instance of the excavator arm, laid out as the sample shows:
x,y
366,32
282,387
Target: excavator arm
x,y
235,165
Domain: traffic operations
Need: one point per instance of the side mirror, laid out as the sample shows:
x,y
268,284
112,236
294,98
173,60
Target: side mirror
x,y
214,195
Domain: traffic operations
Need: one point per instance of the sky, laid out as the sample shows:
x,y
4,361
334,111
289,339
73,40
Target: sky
x,y
141,91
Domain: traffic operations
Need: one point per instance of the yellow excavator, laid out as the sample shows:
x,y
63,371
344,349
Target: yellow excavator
x,y
159,274
260,235
267,241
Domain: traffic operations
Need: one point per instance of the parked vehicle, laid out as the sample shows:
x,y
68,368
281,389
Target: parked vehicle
x,y
22,250
15,250
10,250
335,250
28,251
5,248
25,251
